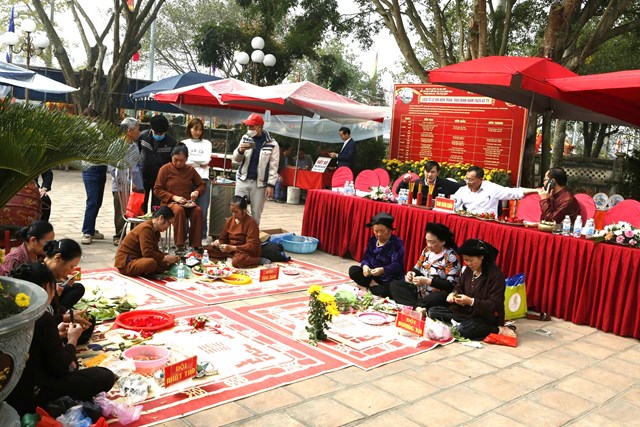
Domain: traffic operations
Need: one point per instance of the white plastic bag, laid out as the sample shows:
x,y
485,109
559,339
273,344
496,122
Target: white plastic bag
x,y
437,330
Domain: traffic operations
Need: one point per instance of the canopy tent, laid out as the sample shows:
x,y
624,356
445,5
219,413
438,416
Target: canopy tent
x,y
621,88
12,75
307,99
324,130
525,81
181,80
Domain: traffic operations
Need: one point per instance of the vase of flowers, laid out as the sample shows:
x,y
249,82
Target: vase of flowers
x,y
322,308
622,233
381,193
21,304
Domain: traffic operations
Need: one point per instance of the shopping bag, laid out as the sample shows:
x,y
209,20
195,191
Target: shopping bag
x,y
134,205
515,297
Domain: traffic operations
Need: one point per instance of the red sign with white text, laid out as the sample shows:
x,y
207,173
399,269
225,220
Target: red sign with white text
x,y
267,274
410,323
180,371
455,126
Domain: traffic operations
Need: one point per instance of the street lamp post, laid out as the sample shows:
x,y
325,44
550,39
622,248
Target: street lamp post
x,y
257,57
31,46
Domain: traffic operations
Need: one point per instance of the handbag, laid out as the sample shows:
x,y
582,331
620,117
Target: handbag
x,y
515,297
134,205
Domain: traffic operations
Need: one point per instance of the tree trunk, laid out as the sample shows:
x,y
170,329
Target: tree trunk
x,y
558,24
559,137
480,12
589,131
602,136
545,152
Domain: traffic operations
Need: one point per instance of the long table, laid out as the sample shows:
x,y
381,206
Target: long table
x,y
306,179
596,284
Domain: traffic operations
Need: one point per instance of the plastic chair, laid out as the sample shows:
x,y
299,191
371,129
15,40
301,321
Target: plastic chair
x,y
587,206
123,185
383,176
529,208
396,184
365,180
340,176
627,210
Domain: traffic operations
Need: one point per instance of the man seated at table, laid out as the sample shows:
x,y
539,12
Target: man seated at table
x,y
431,183
138,254
304,161
555,200
480,196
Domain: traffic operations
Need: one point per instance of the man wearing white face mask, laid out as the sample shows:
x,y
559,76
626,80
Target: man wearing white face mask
x,y
155,147
258,156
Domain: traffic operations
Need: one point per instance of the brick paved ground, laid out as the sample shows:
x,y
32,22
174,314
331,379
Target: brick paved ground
x,y
579,376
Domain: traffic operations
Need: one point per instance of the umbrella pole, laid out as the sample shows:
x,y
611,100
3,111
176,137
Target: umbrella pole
x,y
526,128
295,173
226,144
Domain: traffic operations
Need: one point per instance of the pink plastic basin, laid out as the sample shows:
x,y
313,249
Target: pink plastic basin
x,y
147,358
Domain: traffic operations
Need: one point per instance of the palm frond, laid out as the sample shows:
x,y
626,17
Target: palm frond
x,y
33,140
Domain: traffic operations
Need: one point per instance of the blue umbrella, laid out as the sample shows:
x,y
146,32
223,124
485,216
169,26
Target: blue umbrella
x,y
181,80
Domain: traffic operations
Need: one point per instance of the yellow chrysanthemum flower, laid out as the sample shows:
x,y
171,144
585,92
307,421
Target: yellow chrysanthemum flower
x,y
325,298
332,310
22,300
314,289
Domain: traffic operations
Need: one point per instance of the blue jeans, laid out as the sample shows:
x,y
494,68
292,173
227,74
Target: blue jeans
x,y
94,180
203,201
281,190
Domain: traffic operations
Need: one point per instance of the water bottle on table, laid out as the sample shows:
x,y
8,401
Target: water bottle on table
x,y
566,226
577,226
182,271
205,257
589,229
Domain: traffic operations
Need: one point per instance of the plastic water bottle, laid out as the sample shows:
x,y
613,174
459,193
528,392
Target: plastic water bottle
x,y
345,189
577,226
566,226
589,229
182,272
205,257
352,188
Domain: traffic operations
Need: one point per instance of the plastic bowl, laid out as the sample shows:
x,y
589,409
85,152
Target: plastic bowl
x,y
147,358
299,244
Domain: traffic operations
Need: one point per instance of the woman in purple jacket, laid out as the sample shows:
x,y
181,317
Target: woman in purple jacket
x,y
383,259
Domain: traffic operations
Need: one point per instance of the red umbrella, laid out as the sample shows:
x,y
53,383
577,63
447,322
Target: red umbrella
x,y
308,99
525,81
621,88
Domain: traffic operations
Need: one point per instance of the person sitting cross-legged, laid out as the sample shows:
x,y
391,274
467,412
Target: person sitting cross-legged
x,y
139,254
383,259
240,237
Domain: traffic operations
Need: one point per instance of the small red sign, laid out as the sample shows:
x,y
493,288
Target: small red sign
x,y
411,324
267,274
444,204
180,371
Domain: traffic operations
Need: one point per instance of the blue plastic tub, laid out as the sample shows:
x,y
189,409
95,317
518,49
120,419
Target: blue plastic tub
x,y
299,244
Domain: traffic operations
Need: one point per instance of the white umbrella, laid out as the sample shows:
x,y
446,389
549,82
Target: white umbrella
x,y
12,75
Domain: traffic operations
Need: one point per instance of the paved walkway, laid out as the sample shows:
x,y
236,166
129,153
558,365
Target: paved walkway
x,y
578,376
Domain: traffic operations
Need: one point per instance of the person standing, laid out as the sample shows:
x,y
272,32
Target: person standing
x,y
155,147
94,178
129,169
258,156
199,158
348,152
47,180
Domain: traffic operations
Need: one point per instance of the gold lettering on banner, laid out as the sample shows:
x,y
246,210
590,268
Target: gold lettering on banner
x,y
194,392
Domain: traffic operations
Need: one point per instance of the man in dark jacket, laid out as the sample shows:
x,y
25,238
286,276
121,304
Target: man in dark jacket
x,y
442,186
347,153
155,150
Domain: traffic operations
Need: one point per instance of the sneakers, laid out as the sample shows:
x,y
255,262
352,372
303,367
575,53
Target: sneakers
x,y
206,242
86,239
97,235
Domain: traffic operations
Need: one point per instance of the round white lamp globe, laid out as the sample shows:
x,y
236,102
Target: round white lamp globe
x,y
257,56
28,26
257,43
269,60
242,58
41,41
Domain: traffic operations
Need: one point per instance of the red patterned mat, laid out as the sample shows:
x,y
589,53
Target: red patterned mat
x,y
250,359
350,340
197,292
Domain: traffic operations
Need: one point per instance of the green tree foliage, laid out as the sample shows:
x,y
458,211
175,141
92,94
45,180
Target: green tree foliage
x,y
292,29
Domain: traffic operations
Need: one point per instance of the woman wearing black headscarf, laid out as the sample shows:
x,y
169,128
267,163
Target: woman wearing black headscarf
x,y
434,275
477,301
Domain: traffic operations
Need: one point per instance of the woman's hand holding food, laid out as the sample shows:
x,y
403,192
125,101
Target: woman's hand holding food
x,y
377,271
410,276
73,333
194,195
366,271
179,199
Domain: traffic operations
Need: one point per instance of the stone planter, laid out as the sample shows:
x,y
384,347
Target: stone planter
x,y
16,333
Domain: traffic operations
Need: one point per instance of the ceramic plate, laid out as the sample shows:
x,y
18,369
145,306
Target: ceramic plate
x,y
373,318
290,272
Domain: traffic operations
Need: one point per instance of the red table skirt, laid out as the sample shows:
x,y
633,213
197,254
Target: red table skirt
x,y
574,279
306,179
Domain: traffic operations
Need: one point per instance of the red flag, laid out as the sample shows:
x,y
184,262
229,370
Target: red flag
x,y
136,57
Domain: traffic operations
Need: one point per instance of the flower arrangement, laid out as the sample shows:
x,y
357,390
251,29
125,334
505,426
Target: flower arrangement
x,y
456,171
622,233
382,193
322,308
10,305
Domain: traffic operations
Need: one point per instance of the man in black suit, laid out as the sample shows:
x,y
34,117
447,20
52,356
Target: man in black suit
x,y
442,186
348,152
